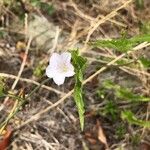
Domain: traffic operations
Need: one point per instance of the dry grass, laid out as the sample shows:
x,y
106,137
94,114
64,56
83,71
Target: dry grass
x,y
35,126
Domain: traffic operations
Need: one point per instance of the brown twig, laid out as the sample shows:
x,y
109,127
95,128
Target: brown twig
x,y
33,82
37,116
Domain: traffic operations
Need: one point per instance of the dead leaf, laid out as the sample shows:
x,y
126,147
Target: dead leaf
x,y
20,45
5,142
144,146
88,134
22,55
101,135
91,140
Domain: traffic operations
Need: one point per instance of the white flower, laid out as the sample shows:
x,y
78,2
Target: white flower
x,y
60,67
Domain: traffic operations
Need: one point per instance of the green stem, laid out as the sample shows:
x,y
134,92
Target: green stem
x,y
22,101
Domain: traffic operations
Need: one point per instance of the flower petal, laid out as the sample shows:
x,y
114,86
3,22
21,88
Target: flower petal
x,y
66,57
70,71
69,74
54,60
50,71
59,79
60,67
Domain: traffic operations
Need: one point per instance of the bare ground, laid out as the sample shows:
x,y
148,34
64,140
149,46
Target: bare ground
x,y
71,26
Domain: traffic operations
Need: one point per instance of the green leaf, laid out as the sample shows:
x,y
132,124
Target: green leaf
x,y
124,93
79,64
120,131
145,62
2,33
39,70
122,44
2,84
140,38
130,117
108,84
49,9
145,27
111,110
35,3
140,4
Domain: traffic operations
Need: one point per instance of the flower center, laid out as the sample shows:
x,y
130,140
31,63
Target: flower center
x,y
64,68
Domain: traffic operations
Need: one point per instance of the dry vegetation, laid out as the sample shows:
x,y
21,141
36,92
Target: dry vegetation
x,y
30,31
